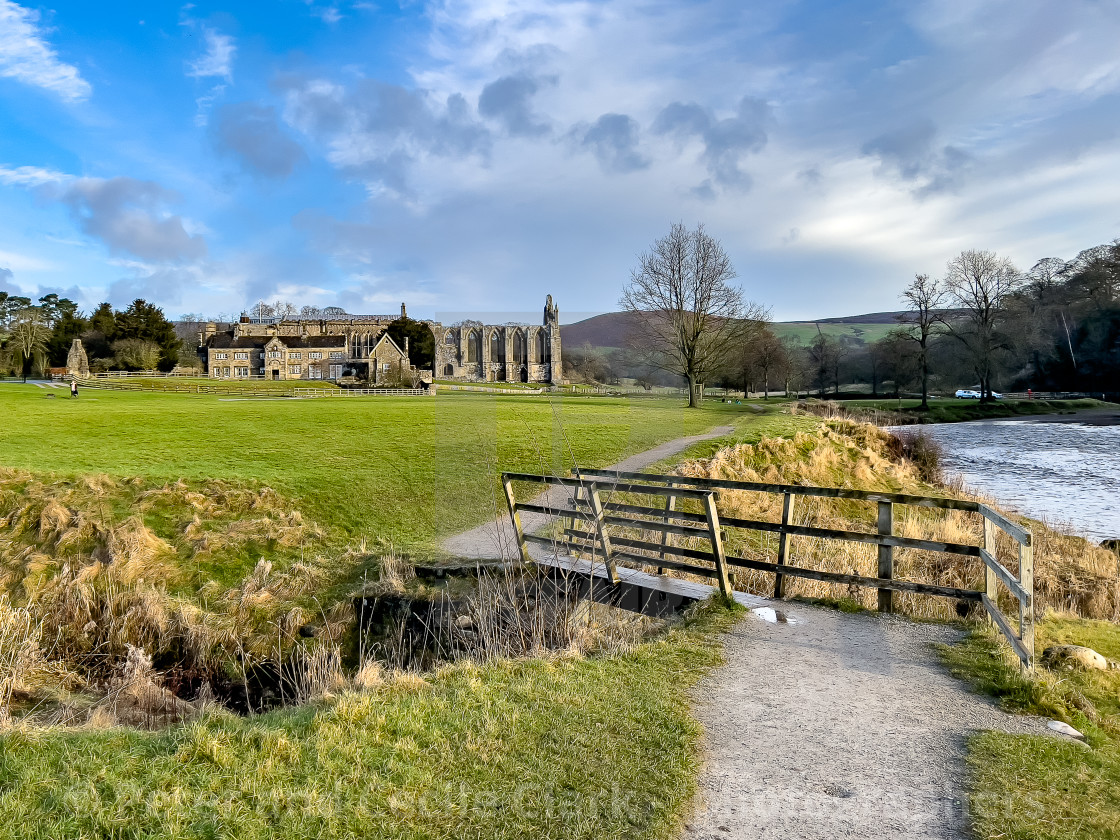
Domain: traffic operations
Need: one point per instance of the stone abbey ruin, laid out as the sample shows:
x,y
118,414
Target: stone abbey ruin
x,y
360,347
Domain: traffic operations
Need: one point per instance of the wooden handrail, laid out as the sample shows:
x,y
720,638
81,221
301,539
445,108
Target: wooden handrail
x,y
586,506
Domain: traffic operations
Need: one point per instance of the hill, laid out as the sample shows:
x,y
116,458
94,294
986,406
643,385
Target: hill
x,y
610,329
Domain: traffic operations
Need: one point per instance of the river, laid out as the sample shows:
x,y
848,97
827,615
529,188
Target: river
x,y
1066,473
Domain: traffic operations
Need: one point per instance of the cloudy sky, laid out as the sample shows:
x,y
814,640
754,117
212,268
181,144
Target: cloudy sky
x,y
474,155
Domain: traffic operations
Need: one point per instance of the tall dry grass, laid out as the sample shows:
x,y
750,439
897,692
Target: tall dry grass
x,y
1071,574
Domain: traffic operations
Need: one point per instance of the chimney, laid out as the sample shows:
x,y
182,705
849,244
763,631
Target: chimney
x,y
405,342
404,312
211,328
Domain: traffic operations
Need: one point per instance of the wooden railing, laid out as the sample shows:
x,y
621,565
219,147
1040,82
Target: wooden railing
x,y
587,519
360,392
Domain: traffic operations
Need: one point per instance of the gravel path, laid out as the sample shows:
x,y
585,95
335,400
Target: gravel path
x,y
495,540
835,725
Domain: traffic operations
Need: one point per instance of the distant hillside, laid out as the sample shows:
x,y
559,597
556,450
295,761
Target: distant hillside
x,y
870,318
610,330
607,330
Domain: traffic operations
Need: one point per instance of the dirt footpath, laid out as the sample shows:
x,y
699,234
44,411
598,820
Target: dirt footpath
x,y
836,725
495,540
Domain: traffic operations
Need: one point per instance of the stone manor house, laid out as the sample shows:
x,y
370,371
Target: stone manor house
x,y
360,346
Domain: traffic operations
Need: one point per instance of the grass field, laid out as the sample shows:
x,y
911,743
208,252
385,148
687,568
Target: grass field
x,y
805,331
1040,788
407,469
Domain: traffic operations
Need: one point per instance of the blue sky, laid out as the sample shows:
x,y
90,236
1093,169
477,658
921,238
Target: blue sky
x,y
474,156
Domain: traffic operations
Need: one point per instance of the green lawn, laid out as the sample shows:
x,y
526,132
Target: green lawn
x,y
1042,788
407,469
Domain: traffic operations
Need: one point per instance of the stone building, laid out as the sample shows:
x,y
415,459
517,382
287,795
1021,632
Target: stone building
x,y
360,347
511,352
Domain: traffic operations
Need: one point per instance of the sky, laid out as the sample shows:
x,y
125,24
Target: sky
x,y
475,155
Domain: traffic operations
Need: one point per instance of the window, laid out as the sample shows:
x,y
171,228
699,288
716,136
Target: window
x,y
450,339
242,371
294,370
385,366
314,355
274,354
336,354
336,371
497,348
295,355
519,348
474,346
221,355
314,372
544,349
241,356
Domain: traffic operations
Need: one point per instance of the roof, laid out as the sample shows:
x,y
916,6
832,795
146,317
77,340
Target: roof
x,y
225,340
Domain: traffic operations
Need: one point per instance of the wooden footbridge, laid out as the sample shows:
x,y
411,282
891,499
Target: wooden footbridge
x,y
609,518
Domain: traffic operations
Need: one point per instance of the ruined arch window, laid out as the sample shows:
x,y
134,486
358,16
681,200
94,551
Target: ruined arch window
x,y
497,347
449,339
544,349
449,370
519,348
474,341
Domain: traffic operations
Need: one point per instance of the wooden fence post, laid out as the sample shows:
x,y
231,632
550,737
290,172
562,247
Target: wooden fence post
x,y
717,544
570,521
522,546
670,505
601,528
1026,610
886,555
990,579
783,542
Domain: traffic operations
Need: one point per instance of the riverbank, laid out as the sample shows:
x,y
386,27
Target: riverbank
x,y
904,412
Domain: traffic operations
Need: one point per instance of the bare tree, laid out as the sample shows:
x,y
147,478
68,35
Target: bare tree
x,y
923,322
979,283
687,317
766,354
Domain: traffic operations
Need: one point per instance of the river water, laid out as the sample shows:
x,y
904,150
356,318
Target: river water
x,y
1067,474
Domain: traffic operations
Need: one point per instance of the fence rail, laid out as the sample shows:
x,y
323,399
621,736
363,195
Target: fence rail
x,y
587,518
360,392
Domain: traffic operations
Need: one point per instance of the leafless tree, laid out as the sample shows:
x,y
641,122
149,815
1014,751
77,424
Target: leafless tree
x,y
765,354
687,317
979,284
284,309
923,322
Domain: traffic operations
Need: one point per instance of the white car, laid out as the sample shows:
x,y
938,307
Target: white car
x,y
964,394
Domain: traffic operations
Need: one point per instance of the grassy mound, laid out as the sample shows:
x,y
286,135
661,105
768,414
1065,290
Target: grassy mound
x,y
1071,574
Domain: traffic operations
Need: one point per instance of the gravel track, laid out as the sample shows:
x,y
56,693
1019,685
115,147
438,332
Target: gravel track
x,y
837,725
495,540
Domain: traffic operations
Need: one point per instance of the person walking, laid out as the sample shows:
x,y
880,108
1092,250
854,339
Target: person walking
x,y
73,388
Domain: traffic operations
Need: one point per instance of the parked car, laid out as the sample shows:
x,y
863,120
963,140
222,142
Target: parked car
x,y
966,394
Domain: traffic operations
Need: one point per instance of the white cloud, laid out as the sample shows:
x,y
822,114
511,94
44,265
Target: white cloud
x,y
217,61
30,176
27,57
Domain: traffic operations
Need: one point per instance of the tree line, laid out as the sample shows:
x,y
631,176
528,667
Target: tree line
x,y
984,324
37,336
